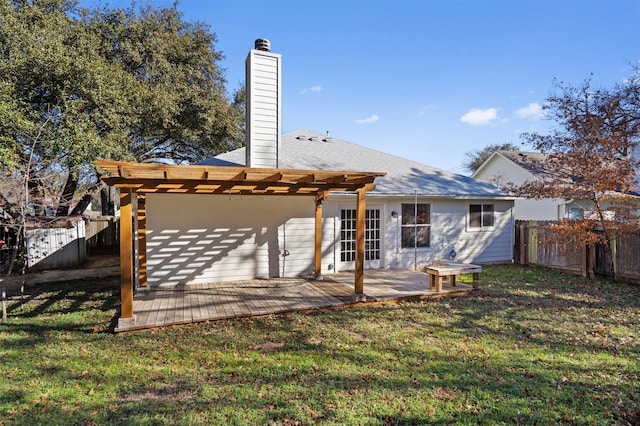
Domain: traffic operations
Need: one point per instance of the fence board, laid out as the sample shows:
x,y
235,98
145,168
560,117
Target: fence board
x,y
103,235
628,256
577,260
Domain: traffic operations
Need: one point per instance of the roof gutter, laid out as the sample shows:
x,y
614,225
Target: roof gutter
x,y
441,196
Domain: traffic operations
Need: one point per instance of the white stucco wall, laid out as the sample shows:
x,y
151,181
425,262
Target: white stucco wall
x,y
215,238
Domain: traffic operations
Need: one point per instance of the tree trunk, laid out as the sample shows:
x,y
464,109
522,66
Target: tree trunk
x,y
612,257
86,200
66,197
609,255
14,255
107,196
36,198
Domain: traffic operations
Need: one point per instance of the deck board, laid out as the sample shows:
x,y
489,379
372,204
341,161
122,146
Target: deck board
x,y
173,305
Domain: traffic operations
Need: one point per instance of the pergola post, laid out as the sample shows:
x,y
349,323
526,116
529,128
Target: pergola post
x,y
126,256
361,205
142,241
317,269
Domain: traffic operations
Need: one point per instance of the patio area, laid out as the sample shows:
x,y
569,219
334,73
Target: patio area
x,y
167,306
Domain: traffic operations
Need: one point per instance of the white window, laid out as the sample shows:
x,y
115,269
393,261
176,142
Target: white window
x,y
575,213
416,225
348,235
481,216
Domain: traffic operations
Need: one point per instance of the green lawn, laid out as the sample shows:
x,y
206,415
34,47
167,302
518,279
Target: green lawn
x,y
531,347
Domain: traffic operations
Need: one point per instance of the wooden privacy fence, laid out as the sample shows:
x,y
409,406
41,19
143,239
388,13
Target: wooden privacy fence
x,y
103,235
532,247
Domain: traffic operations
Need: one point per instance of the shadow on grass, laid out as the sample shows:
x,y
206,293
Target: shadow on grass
x,y
550,308
356,369
531,347
62,306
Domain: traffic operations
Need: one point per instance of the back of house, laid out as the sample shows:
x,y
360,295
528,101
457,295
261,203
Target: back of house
x,y
415,214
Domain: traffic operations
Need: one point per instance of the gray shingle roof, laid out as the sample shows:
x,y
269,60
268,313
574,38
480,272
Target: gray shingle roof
x,y
533,162
304,149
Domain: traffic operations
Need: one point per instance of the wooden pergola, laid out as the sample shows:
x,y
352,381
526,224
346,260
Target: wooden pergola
x,y
135,180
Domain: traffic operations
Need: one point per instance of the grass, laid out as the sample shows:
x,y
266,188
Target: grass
x,y
532,347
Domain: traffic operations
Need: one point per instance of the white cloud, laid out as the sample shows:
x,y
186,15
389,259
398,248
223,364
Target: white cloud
x,y
533,111
313,89
480,117
372,119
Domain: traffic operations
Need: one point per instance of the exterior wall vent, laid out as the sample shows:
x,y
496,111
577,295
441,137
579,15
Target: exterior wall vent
x,y
263,44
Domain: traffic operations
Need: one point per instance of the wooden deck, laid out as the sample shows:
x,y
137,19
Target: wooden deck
x,y
166,306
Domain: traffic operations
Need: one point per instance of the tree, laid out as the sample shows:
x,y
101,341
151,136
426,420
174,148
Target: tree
x,y
475,159
79,84
590,158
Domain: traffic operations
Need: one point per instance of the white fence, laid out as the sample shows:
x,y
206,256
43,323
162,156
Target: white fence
x,y
56,247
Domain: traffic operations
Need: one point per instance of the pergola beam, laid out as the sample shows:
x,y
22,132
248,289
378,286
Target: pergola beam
x,y
181,186
150,171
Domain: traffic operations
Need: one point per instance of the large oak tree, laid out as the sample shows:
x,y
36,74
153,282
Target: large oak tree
x,y
81,84
476,158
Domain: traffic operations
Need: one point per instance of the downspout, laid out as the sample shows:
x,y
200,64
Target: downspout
x,y
415,231
398,231
284,252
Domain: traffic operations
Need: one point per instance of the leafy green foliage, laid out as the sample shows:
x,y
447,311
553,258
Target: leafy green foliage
x,y
531,347
79,85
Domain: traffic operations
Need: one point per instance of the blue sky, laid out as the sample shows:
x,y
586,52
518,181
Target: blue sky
x,y
428,80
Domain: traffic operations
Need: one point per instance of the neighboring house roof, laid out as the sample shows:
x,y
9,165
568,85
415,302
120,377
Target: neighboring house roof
x,y
304,149
533,162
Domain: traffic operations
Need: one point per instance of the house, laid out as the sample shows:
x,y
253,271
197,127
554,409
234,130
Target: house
x,y
514,167
517,168
415,214
295,204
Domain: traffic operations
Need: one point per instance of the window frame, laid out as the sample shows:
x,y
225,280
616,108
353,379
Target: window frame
x,y
373,234
484,210
415,225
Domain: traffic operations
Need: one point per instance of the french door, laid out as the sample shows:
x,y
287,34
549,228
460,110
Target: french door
x,y
372,247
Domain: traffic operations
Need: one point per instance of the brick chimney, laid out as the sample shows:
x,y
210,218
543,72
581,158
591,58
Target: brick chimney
x,y
263,82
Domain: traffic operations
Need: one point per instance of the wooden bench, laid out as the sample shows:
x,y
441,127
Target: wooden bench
x,y
445,268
